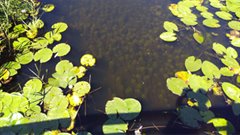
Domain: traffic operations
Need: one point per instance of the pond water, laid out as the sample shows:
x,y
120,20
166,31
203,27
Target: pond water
x,y
132,61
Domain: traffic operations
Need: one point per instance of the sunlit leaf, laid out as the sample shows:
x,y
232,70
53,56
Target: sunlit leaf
x,y
212,23
176,85
234,25
81,88
168,36
115,107
225,71
170,26
115,126
63,65
59,27
44,55
219,48
207,15
232,91
193,64
198,83
61,49
198,37
236,42
134,108
25,58
223,126
210,70
224,15
48,7
231,52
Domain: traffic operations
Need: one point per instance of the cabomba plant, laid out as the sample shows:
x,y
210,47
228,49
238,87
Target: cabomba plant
x,y
203,77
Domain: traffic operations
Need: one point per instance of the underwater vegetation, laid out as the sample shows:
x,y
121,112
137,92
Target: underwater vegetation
x,y
203,77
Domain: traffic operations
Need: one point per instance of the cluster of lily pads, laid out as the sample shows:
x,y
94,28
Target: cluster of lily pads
x,y
202,78
120,111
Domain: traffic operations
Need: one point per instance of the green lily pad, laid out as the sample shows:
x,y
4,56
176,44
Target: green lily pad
x,y
81,88
237,13
197,83
225,71
212,23
234,25
170,26
168,36
198,36
190,117
232,91
210,70
59,27
39,43
231,52
223,126
48,7
176,85
230,62
201,8
134,108
236,42
63,66
219,48
115,107
207,15
44,55
88,60
192,64
224,15
115,126
61,49
189,21
24,58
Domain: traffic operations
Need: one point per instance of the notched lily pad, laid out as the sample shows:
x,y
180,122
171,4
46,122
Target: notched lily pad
x,y
168,36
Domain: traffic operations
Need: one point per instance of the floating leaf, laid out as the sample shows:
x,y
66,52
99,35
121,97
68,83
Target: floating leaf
x,y
198,37
210,70
115,126
231,52
176,85
48,7
232,91
224,15
230,62
134,108
170,26
25,58
212,23
236,42
88,60
115,107
234,25
225,71
59,27
199,83
44,55
207,15
61,49
63,66
168,36
223,126
192,64
81,88
201,8
219,48
190,117
189,21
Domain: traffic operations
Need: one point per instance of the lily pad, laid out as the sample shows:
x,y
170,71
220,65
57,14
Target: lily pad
x,y
176,85
134,108
223,126
25,58
115,107
193,64
115,126
236,42
234,25
210,70
207,15
168,36
44,55
212,23
198,36
199,83
88,60
219,48
170,26
231,52
61,49
225,71
232,91
81,88
59,27
48,7
63,66
224,15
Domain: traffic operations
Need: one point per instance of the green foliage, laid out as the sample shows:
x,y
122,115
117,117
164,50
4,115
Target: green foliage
x,y
176,85
192,64
223,126
168,36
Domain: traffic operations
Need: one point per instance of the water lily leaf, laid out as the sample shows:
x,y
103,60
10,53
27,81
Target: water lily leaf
x,y
232,91
57,114
21,43
236,108
201,8
237,13
210,70
230,62
20,28
207,115
168,36
176,85
49,37
238,79
197,83
79,71
59,102
81,88
134,108
48,7
212,23
61,49
190,117
216,4
39,43
207,15
231,52
63,66
44,55
223,126
225,71
115,107
219,48
236,42
170,26
24,58
51,92
189,21
115,126
224,15
57,36
59,27
192,64
88,60
5,75
234,25
31,90
198,37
